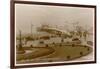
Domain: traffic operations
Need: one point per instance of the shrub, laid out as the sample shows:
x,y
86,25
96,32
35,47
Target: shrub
x,y
46,45
68,57
88,49
81,53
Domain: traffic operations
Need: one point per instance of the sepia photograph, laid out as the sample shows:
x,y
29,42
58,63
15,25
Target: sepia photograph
x,y
47,33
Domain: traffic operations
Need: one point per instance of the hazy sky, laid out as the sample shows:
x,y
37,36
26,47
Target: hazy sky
x,y
27,14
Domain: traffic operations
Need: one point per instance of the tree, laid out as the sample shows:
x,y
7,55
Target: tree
x,y
79,31
72,33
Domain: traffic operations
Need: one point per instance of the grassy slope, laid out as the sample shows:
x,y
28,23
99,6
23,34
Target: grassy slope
x,y
63,52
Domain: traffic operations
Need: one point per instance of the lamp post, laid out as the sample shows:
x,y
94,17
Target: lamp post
x,y
20,41
31,30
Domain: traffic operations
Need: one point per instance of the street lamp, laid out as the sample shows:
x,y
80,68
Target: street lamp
x,y
20,41
31,30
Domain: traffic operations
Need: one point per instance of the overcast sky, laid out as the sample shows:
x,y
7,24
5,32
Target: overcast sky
x,y
27,14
